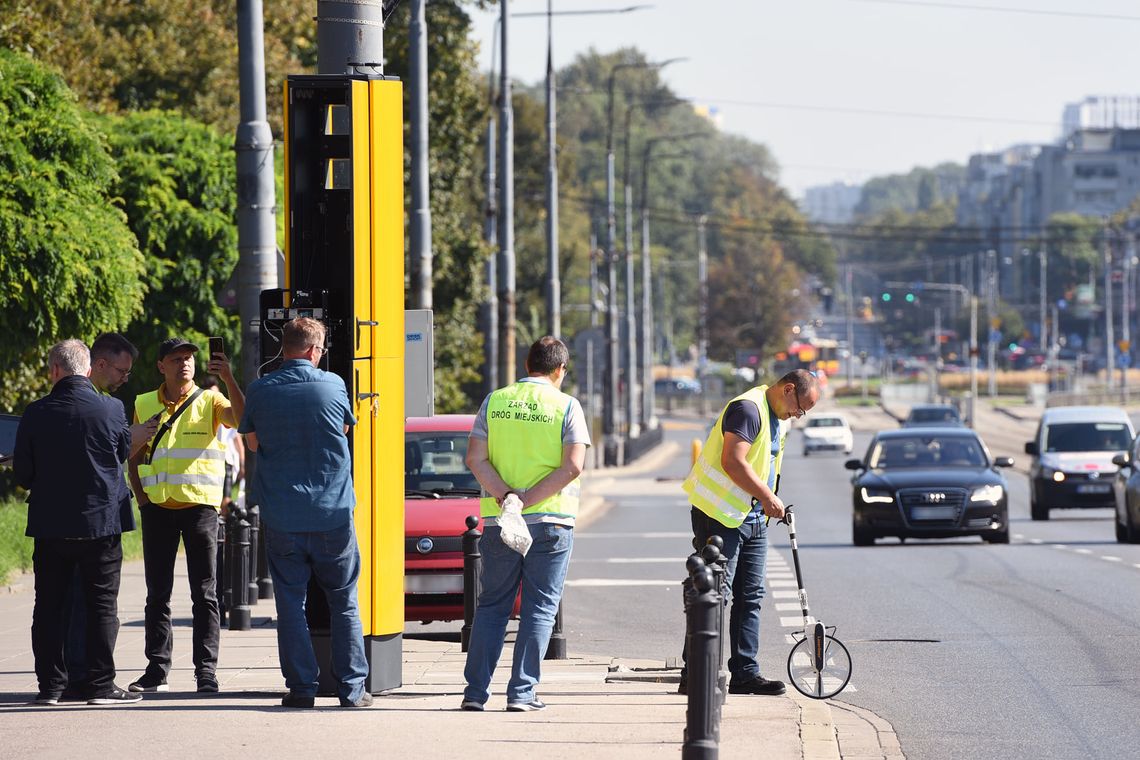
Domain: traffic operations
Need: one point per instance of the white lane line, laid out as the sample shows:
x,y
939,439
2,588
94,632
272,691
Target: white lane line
x,y
787,606
1108,558
1137,566
679,561
1036,541
785,594
780,576
1059,546
603,582
633,535
796,621
1018,536
1083,551
789,639
782,584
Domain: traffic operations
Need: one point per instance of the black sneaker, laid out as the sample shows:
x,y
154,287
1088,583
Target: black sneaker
x,y
297,700
73,694
46,698
532,706
471,705
758,685
207,684
148,683
116,696
364,701
683,687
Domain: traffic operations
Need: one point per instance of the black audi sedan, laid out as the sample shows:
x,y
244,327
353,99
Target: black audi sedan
x,y
929,483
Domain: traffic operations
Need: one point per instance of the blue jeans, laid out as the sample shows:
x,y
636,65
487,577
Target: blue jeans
x,y
542,573
746,548
333,559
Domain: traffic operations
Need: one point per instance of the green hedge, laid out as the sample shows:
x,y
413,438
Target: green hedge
x,y
16,548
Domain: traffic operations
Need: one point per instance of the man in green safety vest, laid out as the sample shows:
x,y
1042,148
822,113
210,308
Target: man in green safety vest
x,y
528,441
732,487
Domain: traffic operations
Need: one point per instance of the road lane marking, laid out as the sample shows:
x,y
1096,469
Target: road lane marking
x,y
787,606
782,584
785,594
679,561
633,535
792,622
1108,558
1083,551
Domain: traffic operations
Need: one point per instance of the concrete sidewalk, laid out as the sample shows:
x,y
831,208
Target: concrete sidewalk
x,y
598,706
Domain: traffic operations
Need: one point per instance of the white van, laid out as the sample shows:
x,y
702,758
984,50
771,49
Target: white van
x,y
1072,454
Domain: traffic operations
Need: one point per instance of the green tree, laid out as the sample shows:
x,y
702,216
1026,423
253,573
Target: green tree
x,y
177,188
69,265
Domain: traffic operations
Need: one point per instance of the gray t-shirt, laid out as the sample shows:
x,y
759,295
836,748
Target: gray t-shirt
x,y
574,430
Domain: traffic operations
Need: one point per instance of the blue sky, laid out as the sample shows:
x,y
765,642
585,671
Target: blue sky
x,y
850,89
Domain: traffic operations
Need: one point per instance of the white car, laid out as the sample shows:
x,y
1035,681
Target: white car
x,y
827,432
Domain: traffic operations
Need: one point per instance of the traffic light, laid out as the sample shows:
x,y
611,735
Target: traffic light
x,y
886,297
910,297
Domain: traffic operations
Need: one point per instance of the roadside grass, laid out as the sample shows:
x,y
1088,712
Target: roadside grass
x,y
16,548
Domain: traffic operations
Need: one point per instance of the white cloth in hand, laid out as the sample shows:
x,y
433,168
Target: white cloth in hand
x,y
513,528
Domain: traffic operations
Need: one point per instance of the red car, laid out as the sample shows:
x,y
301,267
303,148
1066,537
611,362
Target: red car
x,y
439,493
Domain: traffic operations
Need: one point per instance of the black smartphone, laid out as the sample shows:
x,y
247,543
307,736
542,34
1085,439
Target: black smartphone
x,y
217,347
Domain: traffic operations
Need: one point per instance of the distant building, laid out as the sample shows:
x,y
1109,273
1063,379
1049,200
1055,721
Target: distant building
x,y
1101,112
831,204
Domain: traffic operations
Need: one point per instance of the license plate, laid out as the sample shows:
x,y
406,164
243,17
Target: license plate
x,y
933,513
1094,488
433,583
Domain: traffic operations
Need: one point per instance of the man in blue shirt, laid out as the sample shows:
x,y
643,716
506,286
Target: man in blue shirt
x,y
296,420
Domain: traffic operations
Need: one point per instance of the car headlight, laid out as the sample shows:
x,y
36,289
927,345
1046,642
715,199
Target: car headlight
x,y
987,494
876,496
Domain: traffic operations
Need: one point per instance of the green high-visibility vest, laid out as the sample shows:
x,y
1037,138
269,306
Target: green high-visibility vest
x,y
709,487
524,444
189,463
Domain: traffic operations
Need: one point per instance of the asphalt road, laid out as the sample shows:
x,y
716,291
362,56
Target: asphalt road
x,y
969,650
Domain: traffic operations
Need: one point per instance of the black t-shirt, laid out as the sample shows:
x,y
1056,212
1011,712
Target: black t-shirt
x,y
743,419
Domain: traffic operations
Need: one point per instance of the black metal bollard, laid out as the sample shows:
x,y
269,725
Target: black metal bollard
x,y
472,567
264,580
718,564
557,648
237,562
220,570
253,517
702,714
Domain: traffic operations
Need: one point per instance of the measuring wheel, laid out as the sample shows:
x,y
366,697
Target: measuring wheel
x,y
819,666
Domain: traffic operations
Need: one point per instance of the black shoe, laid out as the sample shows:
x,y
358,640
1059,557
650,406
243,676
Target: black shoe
x,y
297,700
46,698
471,705
364,701
683,687
207,684
149,682
116,696
758,685
532,706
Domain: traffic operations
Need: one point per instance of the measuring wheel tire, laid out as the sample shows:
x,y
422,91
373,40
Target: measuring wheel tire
x,y
826,683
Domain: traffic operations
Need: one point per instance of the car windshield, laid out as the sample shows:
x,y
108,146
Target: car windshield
x,y
1087,436
434,464
927,451
825,422
947,414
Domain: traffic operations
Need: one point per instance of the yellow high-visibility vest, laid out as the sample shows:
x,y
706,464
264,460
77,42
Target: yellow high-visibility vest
x,y
524,444
709,487
189,463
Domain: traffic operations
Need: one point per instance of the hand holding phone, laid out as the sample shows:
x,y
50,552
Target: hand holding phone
x,y
217,347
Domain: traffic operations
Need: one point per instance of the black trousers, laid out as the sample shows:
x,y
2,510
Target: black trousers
x,y
197,529
99,562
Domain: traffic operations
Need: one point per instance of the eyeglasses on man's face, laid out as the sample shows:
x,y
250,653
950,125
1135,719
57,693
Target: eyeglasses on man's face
x,y
799,411
124,373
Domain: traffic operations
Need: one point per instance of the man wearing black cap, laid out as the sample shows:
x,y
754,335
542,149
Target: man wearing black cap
x,y
178,479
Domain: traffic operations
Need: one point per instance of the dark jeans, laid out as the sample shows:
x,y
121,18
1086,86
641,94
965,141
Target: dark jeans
x,y
746,551
75,641
197,528
100,561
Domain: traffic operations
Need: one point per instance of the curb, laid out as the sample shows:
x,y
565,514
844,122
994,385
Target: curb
x,y
861,733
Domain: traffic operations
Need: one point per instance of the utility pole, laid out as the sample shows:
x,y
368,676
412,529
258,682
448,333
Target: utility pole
x,y
630,360
491,306
1041,298
256,197
349,36
1109,332
419,235
553,281
1125,328
702,310
593,277
991,312
849,311
506,273
973,359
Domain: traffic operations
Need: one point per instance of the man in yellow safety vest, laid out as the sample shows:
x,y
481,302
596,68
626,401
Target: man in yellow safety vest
x,y
178,479
529,441
732,487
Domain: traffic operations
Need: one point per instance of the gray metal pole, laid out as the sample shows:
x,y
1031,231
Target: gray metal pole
x,y
647,381
850,325
350,33
632,409
991,313
256,199
420,216
1109,332
593,278
1041,298
610,389
702,310
973,359
506,205
553,280
491,307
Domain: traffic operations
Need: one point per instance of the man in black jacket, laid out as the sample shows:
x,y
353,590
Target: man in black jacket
x,y
69,451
